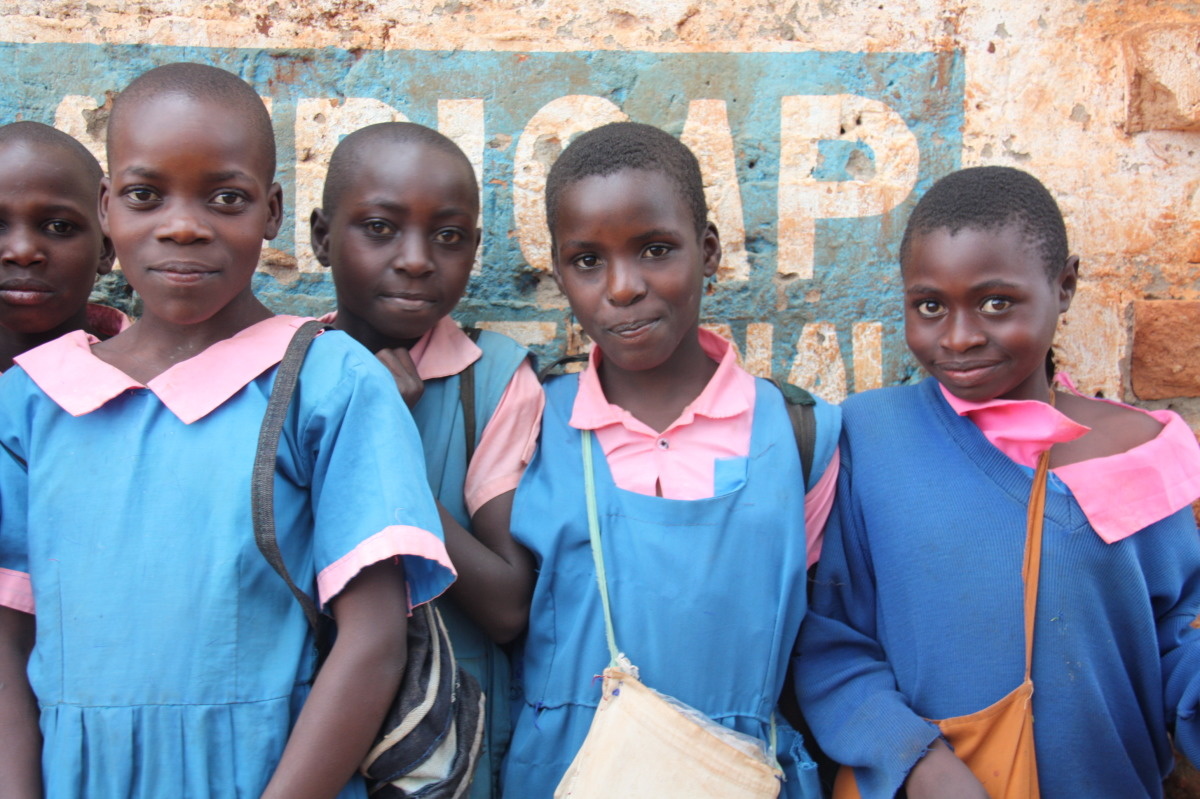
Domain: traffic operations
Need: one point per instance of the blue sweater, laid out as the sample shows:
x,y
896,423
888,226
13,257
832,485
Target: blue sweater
x,y
917,611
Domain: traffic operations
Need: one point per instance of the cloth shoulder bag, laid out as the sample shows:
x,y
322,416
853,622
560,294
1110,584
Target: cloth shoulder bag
x,y
646,745
433,730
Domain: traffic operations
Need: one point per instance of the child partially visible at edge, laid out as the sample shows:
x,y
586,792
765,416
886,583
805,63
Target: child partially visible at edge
x,y
706,537
51,245
918,610
169,658
399,228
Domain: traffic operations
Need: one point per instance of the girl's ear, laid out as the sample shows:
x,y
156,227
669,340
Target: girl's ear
x,y
1068,281
274,210
710,241
102,208
318,226
107,256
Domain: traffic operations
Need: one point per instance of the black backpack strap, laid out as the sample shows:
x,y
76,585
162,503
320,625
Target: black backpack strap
x,y
262,481
555,367
466,396
801,409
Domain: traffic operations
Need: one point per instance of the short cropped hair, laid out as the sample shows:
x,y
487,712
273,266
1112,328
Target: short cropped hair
x,y
350,154
202,82
617,146
37,133
990,198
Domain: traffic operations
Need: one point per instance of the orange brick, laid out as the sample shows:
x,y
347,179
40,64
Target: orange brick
x,y
1166,349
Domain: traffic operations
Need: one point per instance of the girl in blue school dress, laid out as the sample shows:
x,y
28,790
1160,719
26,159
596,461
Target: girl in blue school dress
x,y
917,611
169,659
702,515
399,228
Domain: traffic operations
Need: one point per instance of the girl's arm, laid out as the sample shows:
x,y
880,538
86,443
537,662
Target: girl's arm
x,y
495,573
353,690
20,737
843,676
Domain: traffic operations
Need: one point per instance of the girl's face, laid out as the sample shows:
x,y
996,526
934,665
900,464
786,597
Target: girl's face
x,y
401,242
980,311
629,259
188,203
51,247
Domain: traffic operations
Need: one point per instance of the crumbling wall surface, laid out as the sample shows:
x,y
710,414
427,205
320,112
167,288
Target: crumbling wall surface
x,y
818,123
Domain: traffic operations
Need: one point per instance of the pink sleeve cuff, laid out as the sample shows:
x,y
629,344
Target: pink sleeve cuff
x,y
16,591
390,542
508,440
817,504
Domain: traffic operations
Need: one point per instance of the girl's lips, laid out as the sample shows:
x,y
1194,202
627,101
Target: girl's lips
x,y
966,374
25,296
19,291
184,273
408,302
630,331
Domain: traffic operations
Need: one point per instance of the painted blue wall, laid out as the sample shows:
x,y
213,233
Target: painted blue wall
x,y
855,275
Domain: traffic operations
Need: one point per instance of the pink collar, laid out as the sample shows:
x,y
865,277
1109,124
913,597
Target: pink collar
x,y
1021,429
729,392
443,351
79,382
1119,494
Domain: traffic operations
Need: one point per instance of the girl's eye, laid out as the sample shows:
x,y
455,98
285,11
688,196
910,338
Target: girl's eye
x,y
228,199
585,261
377,227
996,305
656,251
928,308
59,227
141,195
449,236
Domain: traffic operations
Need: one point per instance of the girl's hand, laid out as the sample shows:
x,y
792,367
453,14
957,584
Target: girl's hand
x,y
941,775
400,363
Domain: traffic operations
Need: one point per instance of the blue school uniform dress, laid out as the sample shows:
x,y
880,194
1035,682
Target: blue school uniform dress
x,y
917,611
439,417
171,660
707,595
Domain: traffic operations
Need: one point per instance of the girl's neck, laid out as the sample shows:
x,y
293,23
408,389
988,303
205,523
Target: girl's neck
x,y
368,336
656,397
154,345
13,343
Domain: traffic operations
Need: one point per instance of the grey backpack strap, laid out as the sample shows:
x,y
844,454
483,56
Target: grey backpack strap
x,y
262,481
466,392
802,413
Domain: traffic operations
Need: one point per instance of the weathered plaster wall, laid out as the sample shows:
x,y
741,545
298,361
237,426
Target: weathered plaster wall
x,y
818,123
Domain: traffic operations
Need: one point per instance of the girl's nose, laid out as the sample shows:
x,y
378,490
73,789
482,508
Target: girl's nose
x,y
20,247
184,225
625,284
414,258
962,333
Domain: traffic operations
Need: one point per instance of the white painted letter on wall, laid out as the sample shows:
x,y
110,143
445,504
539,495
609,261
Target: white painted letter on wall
x,y
706,133
546,135
320,125
810,119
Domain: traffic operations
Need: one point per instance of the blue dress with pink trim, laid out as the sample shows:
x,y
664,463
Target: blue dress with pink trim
x,y
170,659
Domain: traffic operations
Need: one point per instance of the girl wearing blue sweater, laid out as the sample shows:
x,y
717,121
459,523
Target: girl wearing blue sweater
x,y
919,607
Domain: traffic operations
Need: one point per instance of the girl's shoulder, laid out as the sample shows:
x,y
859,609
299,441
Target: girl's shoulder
x,y
1115,428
